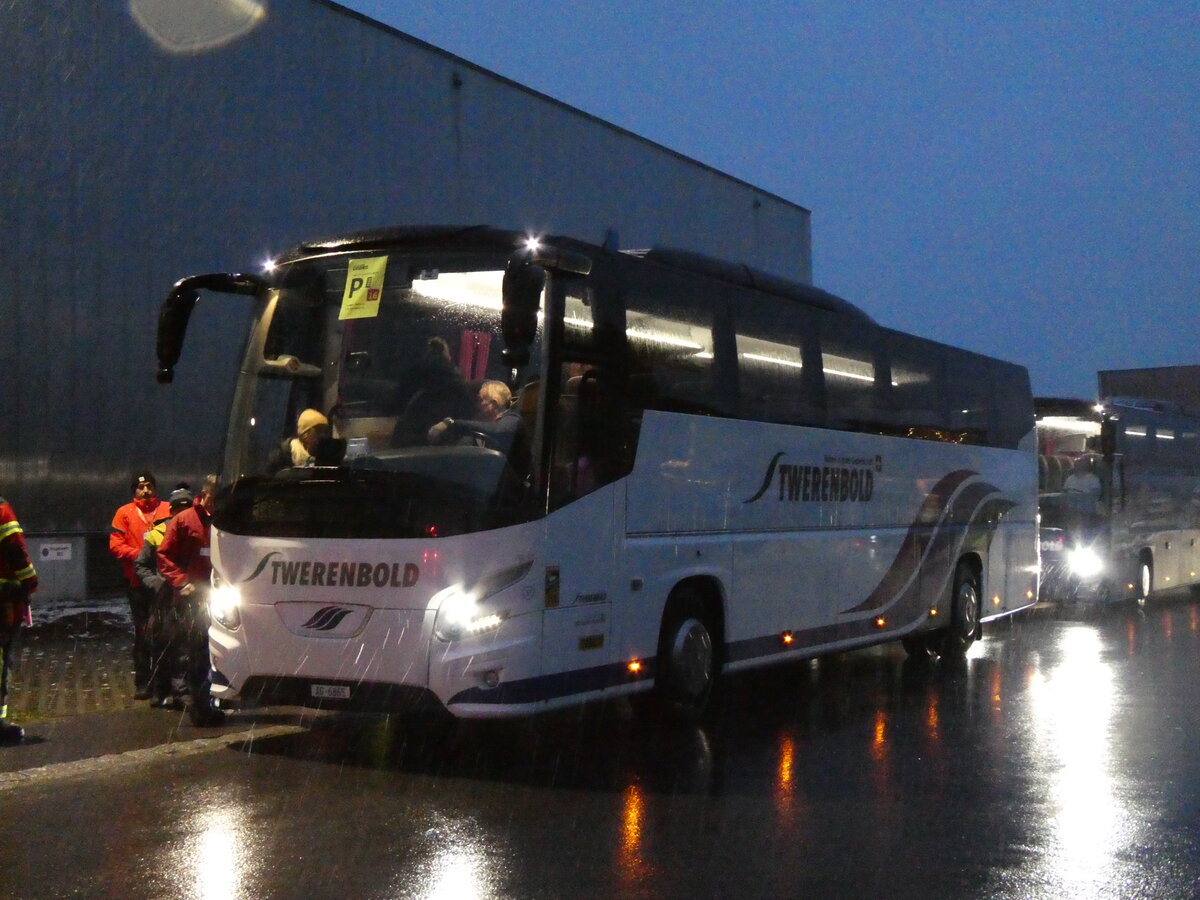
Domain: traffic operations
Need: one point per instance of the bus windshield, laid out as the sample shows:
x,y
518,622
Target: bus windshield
x,y
1073,476
384,347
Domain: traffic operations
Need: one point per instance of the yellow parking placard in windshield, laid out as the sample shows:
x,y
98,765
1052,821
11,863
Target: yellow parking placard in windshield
x,y
364,287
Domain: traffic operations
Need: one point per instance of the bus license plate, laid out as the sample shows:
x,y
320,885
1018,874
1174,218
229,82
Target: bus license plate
x,y
330,691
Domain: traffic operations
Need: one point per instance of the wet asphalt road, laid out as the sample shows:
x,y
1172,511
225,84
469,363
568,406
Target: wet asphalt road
x,y
1059,761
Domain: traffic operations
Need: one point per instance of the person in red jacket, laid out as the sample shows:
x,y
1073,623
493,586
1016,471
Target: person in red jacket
x,y
185,564
18,581
129,527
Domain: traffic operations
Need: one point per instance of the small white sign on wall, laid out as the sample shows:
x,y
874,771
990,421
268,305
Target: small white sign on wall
x,y
53,552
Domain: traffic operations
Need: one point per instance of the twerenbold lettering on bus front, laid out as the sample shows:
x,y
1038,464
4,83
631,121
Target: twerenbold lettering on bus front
x,y
344,574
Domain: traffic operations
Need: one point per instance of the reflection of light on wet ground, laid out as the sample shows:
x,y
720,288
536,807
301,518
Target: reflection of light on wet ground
x,y
631,863
460,866
879,740
1073,705
787,757
456,874
932,718
217,871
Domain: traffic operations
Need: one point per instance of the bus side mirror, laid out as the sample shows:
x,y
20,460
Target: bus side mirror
x,y
177,309
522,294
172,326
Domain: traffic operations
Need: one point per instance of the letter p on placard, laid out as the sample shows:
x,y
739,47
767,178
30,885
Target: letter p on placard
x,y
364,288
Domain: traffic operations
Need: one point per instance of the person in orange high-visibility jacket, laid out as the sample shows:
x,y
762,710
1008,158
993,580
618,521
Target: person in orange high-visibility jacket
x,y
129,527
18,581
185,564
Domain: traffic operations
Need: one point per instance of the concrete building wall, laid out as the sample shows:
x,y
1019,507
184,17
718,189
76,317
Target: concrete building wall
x,y
125,165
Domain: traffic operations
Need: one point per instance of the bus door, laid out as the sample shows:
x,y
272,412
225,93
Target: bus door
x,y
581,539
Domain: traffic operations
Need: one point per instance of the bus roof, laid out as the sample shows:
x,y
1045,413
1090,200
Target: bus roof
x,y
488,238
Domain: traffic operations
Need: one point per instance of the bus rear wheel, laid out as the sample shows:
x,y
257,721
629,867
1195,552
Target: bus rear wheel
x,y
964,612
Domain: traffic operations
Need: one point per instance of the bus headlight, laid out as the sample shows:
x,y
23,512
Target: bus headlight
x,y
224,605
461,613
1084,562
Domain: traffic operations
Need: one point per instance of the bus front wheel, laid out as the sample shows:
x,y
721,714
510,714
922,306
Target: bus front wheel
x,y
1145,582
964,612
687,666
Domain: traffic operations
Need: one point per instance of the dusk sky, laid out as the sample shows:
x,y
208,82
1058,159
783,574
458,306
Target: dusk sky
x,y
1018,179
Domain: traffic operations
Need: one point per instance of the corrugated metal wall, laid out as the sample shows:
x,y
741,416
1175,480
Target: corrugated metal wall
x,y
124,166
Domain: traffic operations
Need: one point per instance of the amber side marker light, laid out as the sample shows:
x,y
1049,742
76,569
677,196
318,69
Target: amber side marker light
x,y
933,611
880,622
635,666
787,638
996,600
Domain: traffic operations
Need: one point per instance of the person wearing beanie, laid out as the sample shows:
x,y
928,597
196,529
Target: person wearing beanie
x,y
300,451
129,526
185,564
168,670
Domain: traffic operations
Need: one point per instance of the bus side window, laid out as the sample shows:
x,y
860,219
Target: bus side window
x,y
778,365
851,368
915,404
969,400
671,346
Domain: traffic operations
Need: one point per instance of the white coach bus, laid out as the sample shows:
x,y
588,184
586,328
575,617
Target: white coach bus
x,y
713,469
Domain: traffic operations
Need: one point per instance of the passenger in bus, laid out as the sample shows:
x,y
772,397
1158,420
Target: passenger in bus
x,y
1081,490
1082,479
497,424
431,390
300,451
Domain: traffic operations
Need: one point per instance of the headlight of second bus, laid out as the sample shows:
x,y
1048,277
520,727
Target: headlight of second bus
x,y
224,603
462,612
1084,562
